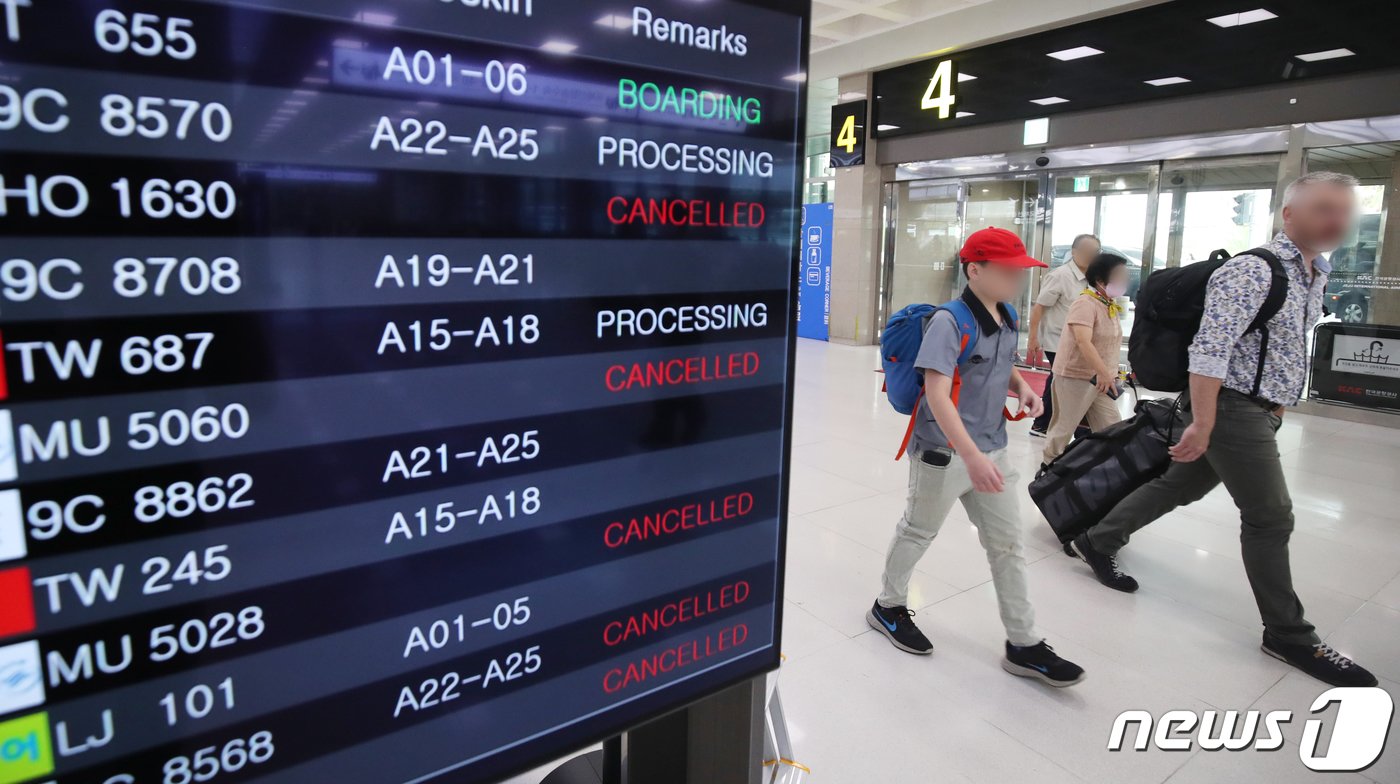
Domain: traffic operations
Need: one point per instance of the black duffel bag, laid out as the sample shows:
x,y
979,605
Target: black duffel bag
x,y
1097,471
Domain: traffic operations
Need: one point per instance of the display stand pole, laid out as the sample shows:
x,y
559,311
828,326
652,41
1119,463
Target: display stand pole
x,y
718,740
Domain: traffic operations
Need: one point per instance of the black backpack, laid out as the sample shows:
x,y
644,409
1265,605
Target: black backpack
x,y
1169,309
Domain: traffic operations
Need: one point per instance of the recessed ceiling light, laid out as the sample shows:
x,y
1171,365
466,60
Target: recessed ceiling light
x,y
1242,18
1167,80
965,114
883,127
558,47
1330,54
1054,99
965,77
1075,53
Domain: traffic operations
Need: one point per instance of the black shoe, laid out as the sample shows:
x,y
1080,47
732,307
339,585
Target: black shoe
x,y
897,624
1069,550
1038,432
1040,662
1321,661
1105,566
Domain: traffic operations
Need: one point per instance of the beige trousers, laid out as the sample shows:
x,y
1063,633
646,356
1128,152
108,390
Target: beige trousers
x,y
1075,399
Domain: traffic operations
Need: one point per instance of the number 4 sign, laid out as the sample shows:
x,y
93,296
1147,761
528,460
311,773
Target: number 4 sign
x,y
939,94
848,134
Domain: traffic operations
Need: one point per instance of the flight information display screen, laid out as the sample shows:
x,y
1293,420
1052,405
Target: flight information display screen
x,y
392,390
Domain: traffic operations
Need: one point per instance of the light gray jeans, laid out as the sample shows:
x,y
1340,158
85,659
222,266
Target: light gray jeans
x,y
932,492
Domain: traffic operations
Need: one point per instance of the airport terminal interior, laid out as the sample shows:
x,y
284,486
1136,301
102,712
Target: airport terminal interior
x,y
561,391
857,709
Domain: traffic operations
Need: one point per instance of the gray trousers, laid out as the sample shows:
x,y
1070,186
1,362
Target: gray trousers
x,y
932,493
1243,454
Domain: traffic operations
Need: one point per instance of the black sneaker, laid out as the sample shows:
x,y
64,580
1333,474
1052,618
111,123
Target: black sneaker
x,y
1321,661
1038,432
897,624
1105,566
1039,661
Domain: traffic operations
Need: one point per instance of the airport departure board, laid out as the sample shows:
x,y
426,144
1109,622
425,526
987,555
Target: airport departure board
x,y
392,390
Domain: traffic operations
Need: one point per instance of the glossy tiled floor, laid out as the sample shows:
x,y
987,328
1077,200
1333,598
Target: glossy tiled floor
x,y
863,713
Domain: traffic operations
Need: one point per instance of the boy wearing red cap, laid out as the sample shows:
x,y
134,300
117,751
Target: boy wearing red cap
x,y
958,453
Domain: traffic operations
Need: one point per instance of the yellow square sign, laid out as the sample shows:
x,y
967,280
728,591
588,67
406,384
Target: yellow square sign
x,y
24,748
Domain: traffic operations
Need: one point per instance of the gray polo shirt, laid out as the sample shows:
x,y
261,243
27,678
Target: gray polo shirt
x,y
986,377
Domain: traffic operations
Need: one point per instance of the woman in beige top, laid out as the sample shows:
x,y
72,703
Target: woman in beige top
x,y
1086,365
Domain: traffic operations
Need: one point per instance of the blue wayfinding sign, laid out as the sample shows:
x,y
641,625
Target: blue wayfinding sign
x,y
814,290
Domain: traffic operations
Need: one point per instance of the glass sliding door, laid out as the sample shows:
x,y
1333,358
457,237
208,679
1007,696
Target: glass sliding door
x,y
1011,203
1225,203
1116,205
927,222
922,237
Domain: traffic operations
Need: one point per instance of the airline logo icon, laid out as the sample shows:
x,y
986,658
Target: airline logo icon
x,y
12,544
21,677
16,602
9,466
25,750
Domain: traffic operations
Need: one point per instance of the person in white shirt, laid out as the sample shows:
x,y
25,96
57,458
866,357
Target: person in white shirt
x,y
1058,290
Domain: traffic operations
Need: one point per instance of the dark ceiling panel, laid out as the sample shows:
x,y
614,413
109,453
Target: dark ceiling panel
x,y
1170,39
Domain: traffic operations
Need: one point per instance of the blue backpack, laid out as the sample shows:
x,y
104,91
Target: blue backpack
x,y
899,347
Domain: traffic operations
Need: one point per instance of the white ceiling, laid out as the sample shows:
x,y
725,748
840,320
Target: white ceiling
x,y
836,22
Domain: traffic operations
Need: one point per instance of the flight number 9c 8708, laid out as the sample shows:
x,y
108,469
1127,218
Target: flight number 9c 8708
x,y
60,280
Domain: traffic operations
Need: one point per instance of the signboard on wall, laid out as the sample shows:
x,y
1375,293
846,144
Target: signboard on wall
x,y
814,289
1101,63
1357,364
389,391
848,134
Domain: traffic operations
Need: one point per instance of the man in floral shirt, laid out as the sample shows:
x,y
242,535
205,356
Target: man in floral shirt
x,y
1234,429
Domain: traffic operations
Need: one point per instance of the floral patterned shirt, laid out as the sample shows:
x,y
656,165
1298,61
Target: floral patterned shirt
x,y
1233,297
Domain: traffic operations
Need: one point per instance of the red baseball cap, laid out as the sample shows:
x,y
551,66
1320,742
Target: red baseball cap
x,y
998,246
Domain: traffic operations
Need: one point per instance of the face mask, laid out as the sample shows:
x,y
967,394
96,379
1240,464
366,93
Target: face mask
x,y
1115,290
